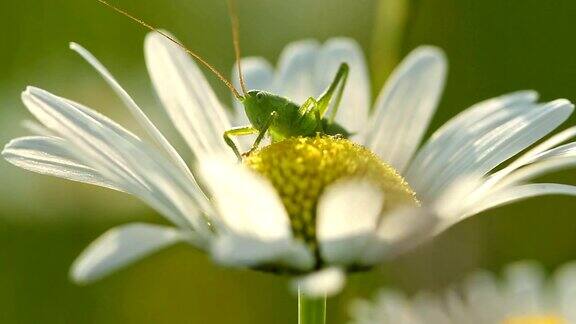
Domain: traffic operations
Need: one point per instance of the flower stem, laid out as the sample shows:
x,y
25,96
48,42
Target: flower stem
x,y
311,310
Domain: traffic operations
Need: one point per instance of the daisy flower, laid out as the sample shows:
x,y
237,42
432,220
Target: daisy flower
x,y
522,296
314,207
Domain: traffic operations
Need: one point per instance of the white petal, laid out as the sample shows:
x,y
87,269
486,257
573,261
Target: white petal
x,y
545,146
537,169
398,232
120,157
500,136
430,310
542,151
248,203
524,288
50,156
481,292
348,212
232,250
482,289
254,227
355,105
565,288
187,96
133,107
562,151
394,307
119,247
514,194
296,79
458,198
325,282
406,105
454,135
36,128
56,113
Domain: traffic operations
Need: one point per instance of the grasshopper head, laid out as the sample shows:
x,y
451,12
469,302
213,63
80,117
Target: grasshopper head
x,y
258,106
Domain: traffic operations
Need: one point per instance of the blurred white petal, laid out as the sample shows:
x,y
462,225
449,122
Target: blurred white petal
x,y
458,198
394,306
523,295
233,250
356,99
524,288
565,286
119,247
399,231
325,282
295,78
481,291
254,226
247,202
348,212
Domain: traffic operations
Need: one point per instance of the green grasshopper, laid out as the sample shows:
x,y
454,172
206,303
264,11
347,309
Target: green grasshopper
x,y
269,113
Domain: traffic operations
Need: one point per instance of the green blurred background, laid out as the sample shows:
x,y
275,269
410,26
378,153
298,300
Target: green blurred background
x,y
493,46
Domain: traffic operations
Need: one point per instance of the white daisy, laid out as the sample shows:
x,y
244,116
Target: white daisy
x,y
305,205
522,296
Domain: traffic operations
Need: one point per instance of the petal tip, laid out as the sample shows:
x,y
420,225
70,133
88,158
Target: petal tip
x,y
73,46
431,51
78,275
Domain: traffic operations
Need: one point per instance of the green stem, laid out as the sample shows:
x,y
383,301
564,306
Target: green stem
x,y
311,310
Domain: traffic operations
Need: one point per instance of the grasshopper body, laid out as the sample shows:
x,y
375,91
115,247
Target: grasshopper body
x,y
281,118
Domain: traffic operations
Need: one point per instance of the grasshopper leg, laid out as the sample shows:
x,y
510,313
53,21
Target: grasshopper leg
x,y
337,88
307,106
263,131
310,106
237,131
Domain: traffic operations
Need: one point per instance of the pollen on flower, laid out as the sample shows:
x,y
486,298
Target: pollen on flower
x,y
300,168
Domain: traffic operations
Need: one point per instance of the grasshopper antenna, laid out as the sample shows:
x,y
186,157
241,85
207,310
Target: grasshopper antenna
x,y
233,12
173,40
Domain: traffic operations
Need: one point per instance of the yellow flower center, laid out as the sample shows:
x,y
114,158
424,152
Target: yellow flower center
x,y
536,319
300,168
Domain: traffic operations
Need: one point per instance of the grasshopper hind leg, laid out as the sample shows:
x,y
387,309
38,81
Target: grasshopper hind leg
x,y
336,88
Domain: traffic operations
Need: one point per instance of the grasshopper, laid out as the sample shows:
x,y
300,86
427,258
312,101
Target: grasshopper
x,y
268,113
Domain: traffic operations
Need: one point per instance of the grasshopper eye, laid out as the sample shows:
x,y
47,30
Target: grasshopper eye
x,y
259,95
